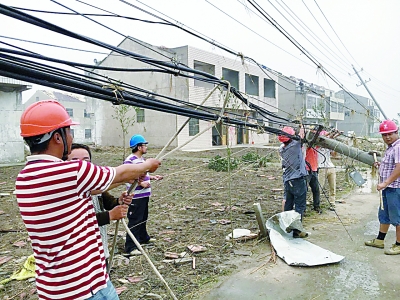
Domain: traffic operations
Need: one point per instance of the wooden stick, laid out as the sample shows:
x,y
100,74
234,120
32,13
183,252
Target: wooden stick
x,y
148,260
379,180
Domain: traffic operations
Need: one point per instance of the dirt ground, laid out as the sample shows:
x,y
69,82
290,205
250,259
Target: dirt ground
x,y
192,205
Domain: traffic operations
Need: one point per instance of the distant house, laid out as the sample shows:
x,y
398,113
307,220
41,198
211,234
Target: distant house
x,y
76,107
11,143
356,118
159,127
310,102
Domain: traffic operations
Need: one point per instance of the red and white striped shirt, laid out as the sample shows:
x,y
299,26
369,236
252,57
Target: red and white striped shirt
x,y
56,207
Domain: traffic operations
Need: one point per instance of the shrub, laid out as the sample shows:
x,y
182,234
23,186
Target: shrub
x,y
257,160
250,157
219,164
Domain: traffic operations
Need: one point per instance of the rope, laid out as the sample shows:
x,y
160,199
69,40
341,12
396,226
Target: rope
x,y
149,260
134,185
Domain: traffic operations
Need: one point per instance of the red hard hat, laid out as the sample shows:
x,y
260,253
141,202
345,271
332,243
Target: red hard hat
x,y
387,126
44,116
284,138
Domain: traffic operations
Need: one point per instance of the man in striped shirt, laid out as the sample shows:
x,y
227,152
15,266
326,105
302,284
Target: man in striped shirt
x,y
139,209
55,204
389,184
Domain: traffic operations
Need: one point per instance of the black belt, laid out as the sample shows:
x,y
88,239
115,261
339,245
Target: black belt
x,y
297,178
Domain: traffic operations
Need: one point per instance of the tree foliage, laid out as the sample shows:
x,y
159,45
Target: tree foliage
x,y
125,119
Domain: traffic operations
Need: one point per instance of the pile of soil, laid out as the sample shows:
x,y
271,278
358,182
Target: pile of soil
x,y
192,205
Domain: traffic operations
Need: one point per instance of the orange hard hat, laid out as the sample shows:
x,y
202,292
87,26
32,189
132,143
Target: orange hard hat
x,y
387,126
284,138
44,116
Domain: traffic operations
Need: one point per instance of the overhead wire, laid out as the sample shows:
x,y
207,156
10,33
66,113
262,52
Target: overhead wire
x,y
88,14
116,15
213,40
269,23
253,106
255,32
163,23
381,82
327,35
200,35
147,61
21,71
55,46
303,35
335,32
128,37
104,81
46,25
304,51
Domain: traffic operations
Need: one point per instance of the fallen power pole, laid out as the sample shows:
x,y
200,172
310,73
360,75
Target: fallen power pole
x,y
355,153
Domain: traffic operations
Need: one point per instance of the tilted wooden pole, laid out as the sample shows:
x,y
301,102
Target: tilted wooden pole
x,y
260,220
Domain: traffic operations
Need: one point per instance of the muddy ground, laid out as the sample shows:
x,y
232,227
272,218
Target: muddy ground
x,y
192,205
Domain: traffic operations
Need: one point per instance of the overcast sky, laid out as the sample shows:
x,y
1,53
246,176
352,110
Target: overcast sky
x,y
338,34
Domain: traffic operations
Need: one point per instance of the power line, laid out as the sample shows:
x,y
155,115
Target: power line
x,y
264,38
89,15
200,36
301,48
319,24
335,31
20,71
148,60
55,46
301,23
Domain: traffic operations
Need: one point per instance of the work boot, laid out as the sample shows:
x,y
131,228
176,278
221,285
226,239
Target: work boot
x,y
376,243
395,249
134,252
299,234
318,210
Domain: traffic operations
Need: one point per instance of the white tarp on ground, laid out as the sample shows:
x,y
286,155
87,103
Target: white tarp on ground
x,y
296,252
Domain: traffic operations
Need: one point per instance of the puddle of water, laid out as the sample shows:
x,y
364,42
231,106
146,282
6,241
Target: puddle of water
x,y
371,182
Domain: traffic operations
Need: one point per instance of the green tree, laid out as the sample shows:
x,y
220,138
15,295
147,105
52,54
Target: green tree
x,y
125,119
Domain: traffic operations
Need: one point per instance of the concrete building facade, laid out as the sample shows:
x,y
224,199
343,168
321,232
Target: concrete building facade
x,y
77,109
299,99
356,118
159,127
11,143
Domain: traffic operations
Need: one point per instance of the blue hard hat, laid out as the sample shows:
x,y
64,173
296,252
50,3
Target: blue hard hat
x,y
136,140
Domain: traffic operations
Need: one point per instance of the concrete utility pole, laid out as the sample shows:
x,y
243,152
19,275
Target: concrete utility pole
x,y
344,149
369,92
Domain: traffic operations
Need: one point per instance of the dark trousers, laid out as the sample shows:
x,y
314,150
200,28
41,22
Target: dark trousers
x,y
296,192
138,213
312,180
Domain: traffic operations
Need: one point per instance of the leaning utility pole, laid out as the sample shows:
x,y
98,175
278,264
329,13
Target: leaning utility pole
x,y
342,148
369,92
